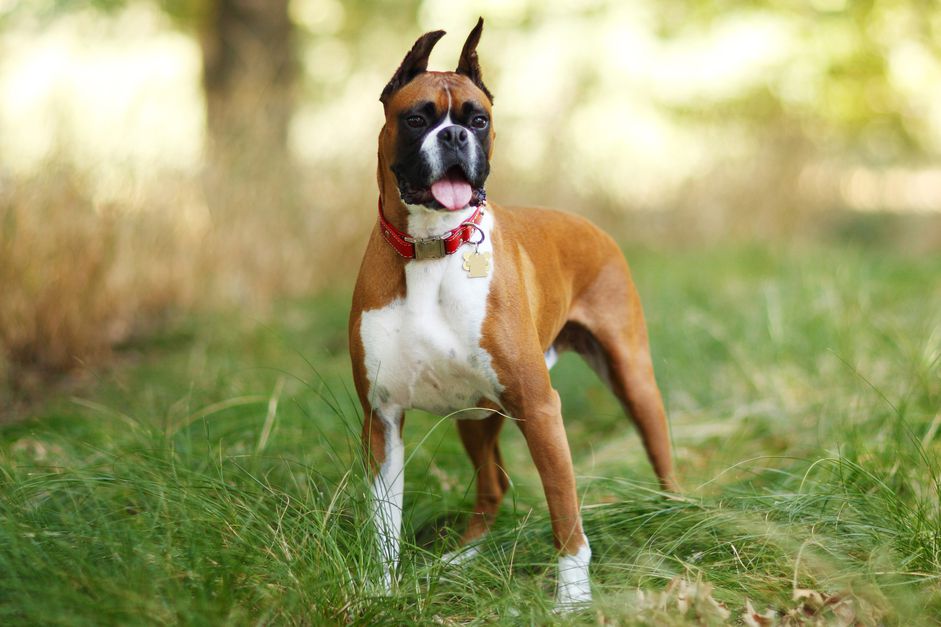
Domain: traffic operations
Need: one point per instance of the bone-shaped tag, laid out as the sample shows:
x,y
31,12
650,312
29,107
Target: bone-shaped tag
x,y
477,264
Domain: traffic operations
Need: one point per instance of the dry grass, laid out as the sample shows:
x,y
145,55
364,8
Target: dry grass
x,y
79,275
65,274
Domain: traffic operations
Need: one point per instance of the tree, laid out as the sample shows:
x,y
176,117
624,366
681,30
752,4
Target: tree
x,y
249,76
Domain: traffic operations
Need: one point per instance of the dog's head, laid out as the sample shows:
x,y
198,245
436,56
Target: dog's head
x,y
436,142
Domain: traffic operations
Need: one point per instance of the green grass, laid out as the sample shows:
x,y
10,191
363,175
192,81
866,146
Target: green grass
x,y
803,386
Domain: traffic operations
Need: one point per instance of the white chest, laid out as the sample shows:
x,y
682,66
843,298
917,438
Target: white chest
x,y
423,351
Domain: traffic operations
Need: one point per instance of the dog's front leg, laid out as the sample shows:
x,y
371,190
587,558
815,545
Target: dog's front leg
x,y
382,439
540,419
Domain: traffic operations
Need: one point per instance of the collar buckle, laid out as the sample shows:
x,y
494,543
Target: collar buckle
x,y
430,248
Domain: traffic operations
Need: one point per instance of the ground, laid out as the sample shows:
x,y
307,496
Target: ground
x,y
211,473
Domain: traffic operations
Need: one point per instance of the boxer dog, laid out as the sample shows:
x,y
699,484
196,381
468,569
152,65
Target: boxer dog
x,y
462,305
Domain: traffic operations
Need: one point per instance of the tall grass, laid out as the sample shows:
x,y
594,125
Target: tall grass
x,y
154,529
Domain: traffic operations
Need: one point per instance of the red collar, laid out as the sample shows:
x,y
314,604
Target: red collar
x,y
433,247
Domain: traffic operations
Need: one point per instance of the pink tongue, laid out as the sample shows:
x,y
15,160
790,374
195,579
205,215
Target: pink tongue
x,y
453,193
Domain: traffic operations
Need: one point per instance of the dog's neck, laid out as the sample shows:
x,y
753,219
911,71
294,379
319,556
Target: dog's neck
x,y
425,222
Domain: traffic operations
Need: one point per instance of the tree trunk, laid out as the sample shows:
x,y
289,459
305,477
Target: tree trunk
x,y
249,73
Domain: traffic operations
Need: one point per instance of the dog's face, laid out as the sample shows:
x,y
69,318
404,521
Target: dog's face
x,y
438,135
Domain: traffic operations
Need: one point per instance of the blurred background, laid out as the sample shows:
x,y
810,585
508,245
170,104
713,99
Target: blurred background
x,y
161,157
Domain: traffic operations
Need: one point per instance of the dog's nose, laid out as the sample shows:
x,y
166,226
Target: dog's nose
x,y
453,137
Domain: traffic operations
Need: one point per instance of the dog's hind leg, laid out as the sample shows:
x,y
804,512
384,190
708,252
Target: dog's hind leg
x,y
609,332
631,378
480,438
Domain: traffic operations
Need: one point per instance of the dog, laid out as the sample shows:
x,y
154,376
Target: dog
x,y
461,307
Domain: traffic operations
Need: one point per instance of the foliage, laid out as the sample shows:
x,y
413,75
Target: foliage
x,y
836,83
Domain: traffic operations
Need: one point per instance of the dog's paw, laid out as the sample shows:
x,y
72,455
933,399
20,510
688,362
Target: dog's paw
x,y
566,603
574,587
461,555
572,596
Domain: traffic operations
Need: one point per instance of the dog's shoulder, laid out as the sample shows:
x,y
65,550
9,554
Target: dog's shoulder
x,y
381,277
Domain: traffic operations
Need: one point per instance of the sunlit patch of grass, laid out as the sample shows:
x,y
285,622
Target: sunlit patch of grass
x,y
218,479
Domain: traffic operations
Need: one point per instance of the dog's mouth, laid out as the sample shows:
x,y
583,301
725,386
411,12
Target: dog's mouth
x,y
451,192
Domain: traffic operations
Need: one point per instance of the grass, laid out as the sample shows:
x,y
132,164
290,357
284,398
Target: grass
x,y
212,473
81,272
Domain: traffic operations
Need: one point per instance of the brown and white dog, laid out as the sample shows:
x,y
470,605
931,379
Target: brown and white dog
x,y
461,306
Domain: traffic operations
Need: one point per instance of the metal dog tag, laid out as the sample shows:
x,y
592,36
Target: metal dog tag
x,y
477,264
431,248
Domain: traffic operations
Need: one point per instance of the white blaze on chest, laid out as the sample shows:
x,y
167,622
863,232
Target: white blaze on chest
x,y
423,351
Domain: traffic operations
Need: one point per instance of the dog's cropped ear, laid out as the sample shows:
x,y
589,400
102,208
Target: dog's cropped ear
x,y
414,63
469,65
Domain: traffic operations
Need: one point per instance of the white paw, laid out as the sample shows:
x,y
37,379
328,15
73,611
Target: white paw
x,y
574,587
461,555
566,603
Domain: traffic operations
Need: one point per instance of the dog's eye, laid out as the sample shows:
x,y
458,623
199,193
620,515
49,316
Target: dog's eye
x,y
480,121
415,121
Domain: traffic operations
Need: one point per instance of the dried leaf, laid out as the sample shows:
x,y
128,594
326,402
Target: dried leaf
x,y
682,599
811,599
753,619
